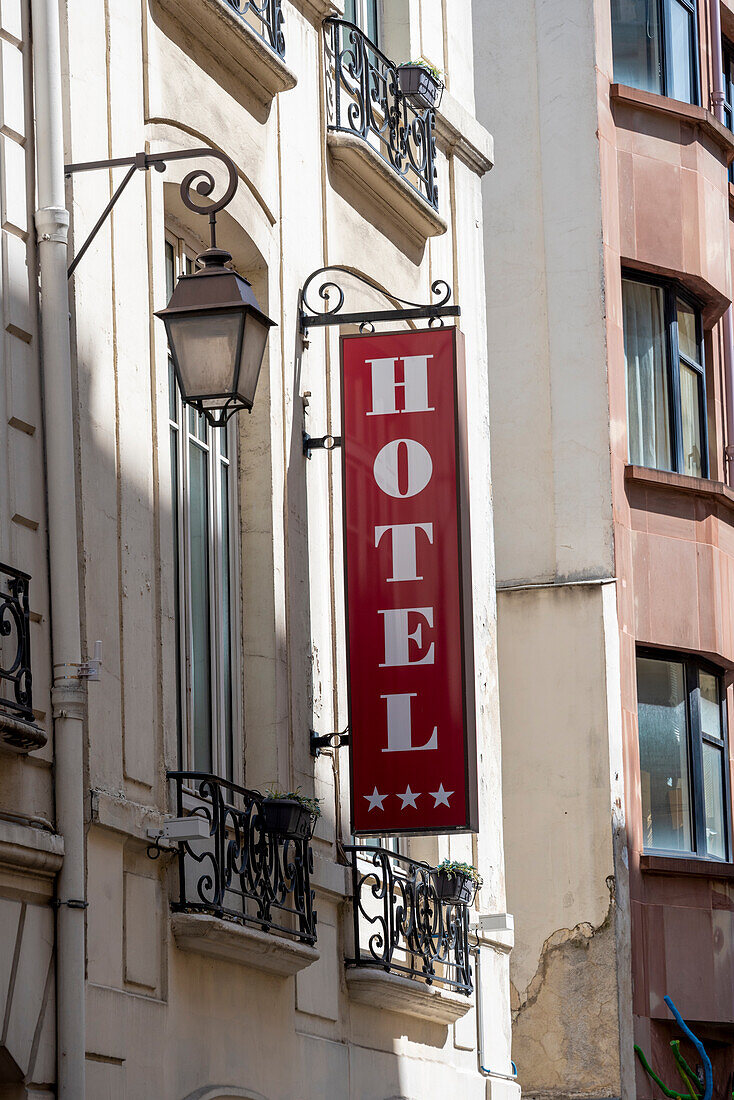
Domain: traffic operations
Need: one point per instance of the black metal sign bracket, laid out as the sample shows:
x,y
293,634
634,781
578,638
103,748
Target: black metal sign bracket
x,y
319,742
321,442
312,317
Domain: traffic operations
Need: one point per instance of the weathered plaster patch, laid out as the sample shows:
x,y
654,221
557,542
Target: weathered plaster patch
x,y
565,1024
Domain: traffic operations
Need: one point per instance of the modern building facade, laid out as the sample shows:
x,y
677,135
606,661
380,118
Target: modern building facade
x,y
208,563
609,307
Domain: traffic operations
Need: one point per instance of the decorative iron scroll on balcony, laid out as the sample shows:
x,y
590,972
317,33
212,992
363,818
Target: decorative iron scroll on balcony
x,y
400,923
15,644
265,19
364,98
241,872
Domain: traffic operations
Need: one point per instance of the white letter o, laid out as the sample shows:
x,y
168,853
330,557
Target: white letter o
x,y
420,468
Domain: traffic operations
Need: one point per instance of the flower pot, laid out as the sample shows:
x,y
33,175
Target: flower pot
x,y
420,86
287,817
453,887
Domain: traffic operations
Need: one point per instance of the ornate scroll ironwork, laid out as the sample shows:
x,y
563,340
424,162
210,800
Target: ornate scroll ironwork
x,y
364,98
313,315
15,644
265,18
400,923
241,872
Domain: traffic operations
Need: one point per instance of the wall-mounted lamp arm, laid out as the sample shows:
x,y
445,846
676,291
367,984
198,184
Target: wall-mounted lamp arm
x,y
143,162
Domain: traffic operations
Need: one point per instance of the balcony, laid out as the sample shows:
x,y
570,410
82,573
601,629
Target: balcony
x,y
411,948
18,731
376,137
245,37
244,894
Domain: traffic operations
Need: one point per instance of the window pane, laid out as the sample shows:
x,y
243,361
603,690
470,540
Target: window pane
x,y
636,34
661,709
371,26
710,706
170,269
172,392
201,703
648,418
680,66
350,11
690,408
226,624
687,339
713,793
176,592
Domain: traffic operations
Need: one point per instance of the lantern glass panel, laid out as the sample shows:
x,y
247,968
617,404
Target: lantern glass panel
x,y
205,346
253,351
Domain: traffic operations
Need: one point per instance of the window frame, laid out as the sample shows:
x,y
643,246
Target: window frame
x,y
727,67
672,290
693,665
665,44
226,758
361,20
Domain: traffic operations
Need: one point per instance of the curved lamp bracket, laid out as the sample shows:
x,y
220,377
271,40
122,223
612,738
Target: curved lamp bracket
x,y
143,162
314,315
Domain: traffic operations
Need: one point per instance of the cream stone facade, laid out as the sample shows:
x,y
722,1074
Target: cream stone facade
x,y
183,1005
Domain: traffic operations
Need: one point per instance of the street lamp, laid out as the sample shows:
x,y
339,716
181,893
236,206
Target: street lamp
x,y
216,330
217,335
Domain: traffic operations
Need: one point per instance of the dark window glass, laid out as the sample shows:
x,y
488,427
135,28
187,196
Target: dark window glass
x,y
666,388
683,757
655,46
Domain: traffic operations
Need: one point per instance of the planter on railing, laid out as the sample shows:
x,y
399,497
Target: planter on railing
x,y
287,817
455,888
15,644
364,98
244,870
420,85
402,925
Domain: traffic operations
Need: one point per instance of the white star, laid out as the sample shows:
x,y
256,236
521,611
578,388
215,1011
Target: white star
x,y
409,798
441,796
375,800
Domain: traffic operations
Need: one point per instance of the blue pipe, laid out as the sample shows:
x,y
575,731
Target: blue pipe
x,y
708,1075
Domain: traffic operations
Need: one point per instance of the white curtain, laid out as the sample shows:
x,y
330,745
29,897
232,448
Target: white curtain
x,y
648,418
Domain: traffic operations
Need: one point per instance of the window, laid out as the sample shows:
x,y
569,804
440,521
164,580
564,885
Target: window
x,y
666,386
655,46
203,504
683,753
366,14
728,66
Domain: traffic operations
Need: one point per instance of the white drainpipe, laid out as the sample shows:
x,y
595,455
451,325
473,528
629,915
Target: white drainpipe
x,y
68,694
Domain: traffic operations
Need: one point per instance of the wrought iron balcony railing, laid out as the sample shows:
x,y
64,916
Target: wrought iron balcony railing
x,y
400,923
15,644
265,19
241,871
364,98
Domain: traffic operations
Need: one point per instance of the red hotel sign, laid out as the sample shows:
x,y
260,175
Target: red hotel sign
x,y
409,630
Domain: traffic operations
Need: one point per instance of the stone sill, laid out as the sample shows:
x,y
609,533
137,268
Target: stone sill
x,y
673,108
394,993
318,10
459,134
357,161
700,487
29,849
695,868
217,28
235,943
20,736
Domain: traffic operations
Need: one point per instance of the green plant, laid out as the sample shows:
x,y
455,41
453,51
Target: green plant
x,y
435,73
455,867
312,804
